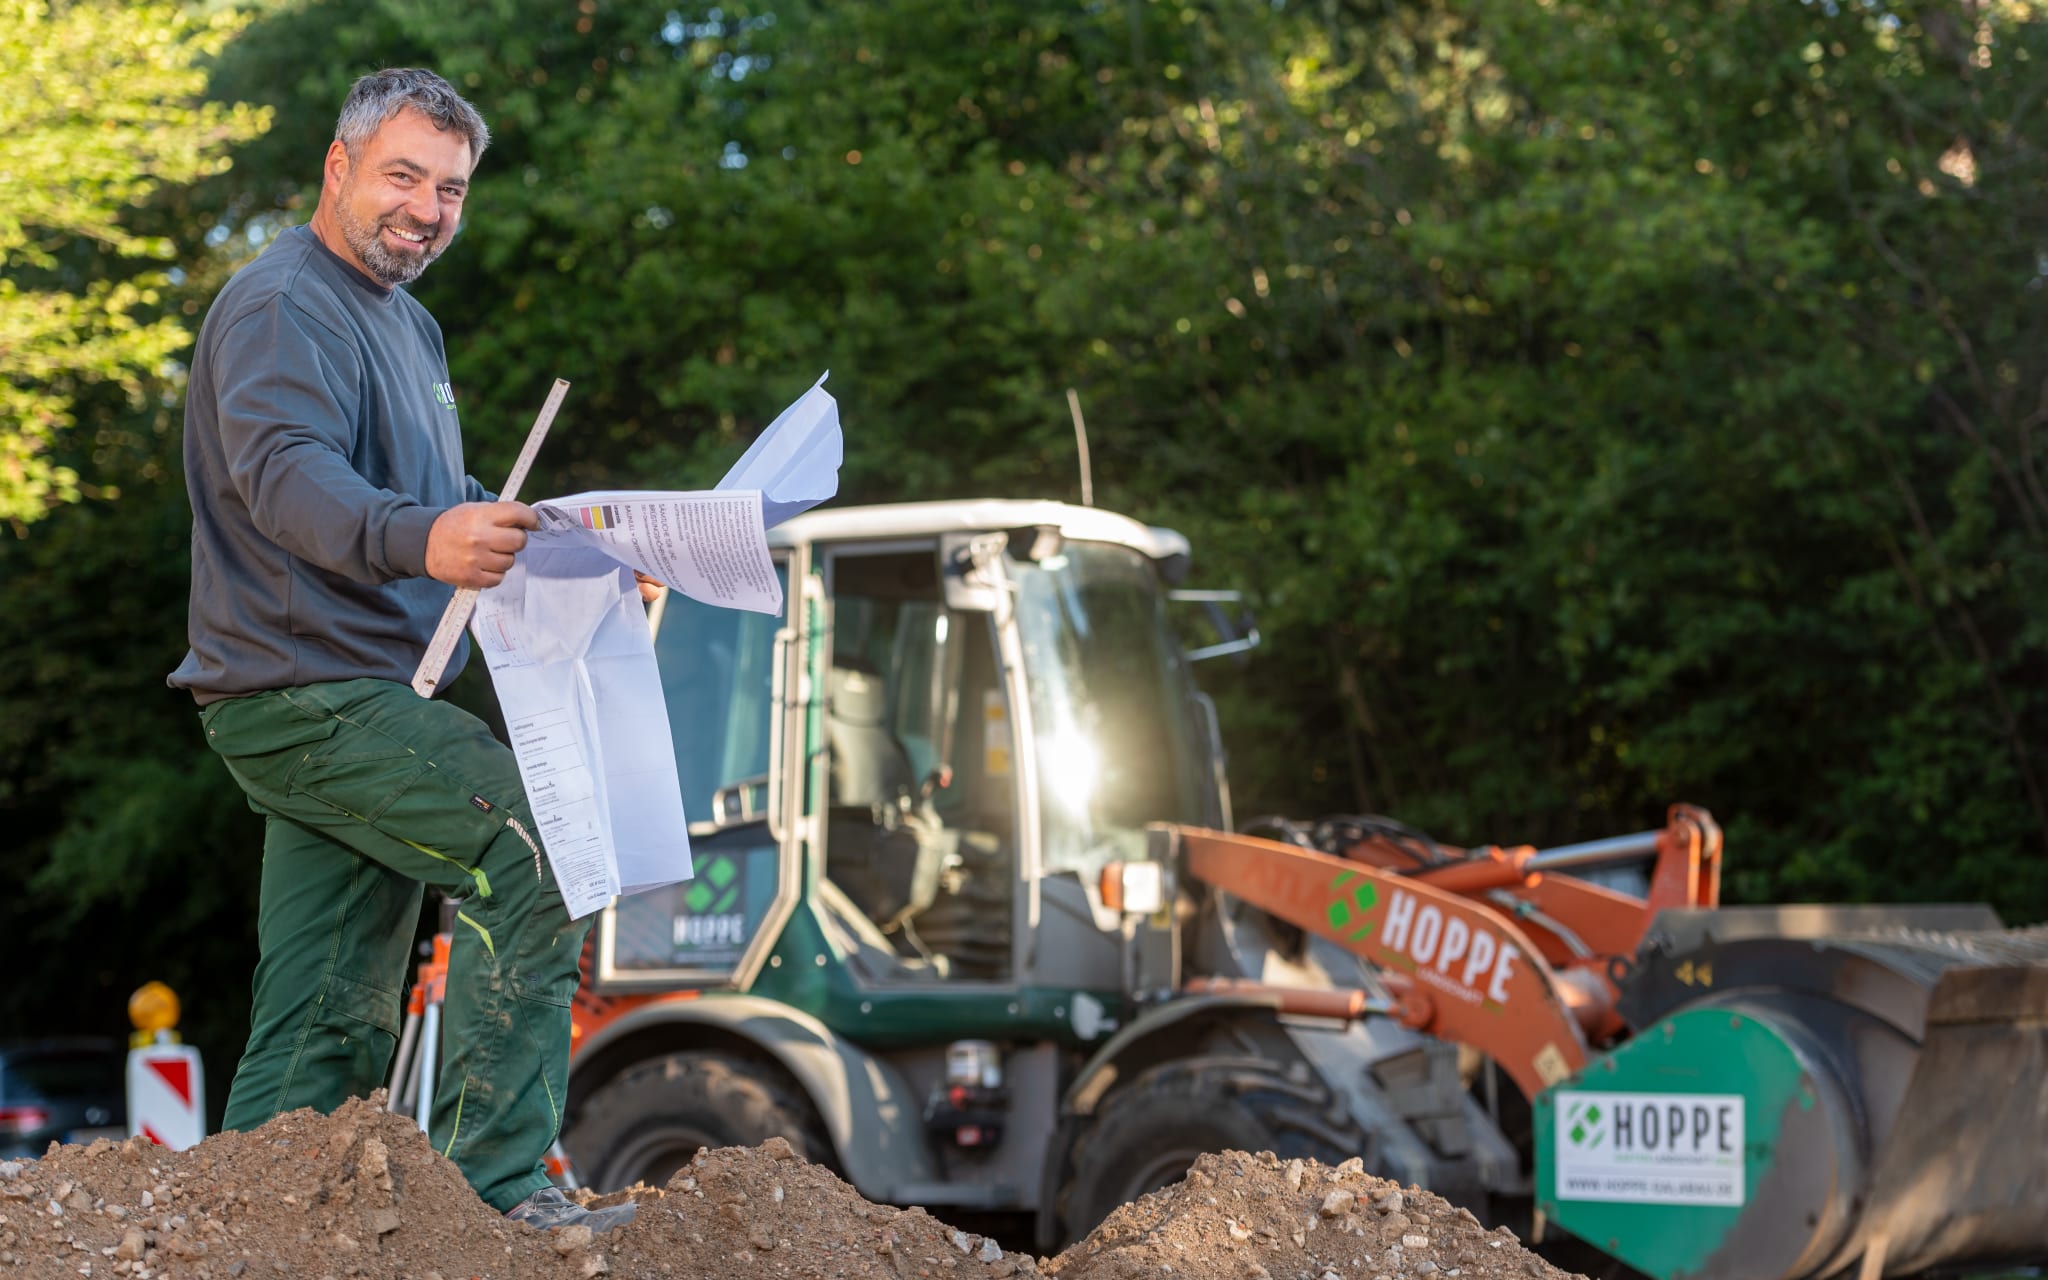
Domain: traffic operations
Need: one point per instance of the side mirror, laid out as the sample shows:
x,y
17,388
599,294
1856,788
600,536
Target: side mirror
x,y
971,570
1239,635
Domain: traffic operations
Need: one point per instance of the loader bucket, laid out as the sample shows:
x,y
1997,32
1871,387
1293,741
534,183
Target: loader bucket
x,y
1792,1106
1963,1176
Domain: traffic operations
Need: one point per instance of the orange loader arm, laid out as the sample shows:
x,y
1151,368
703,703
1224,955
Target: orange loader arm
x,y
1483,948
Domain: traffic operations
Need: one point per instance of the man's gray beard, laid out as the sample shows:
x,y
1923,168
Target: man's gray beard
x,y
390,267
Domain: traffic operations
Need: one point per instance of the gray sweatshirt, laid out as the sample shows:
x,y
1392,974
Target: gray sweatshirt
x,y
321,442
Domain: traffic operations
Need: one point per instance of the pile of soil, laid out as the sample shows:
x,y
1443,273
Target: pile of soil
x,y
1253,1217
361,1194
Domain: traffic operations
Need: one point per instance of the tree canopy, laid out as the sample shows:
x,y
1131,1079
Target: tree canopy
x,y
104,106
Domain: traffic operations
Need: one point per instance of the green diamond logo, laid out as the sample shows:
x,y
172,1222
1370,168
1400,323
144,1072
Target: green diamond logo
x,y
697,897
721,871
1584,1119
1342,913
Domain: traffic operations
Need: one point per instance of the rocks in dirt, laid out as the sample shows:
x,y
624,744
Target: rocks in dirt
x,y
569,1239
817,1226
1238,1215
295,1198
360,1195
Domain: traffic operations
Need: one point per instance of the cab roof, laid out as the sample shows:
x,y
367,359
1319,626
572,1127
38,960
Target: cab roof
x,y
975,515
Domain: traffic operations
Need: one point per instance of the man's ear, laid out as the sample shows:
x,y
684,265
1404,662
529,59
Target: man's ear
x,y
334,172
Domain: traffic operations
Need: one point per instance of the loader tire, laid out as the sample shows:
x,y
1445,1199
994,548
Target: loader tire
x,y
1146,1134
648,1121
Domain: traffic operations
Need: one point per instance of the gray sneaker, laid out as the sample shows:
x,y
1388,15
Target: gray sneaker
x,y
547,1209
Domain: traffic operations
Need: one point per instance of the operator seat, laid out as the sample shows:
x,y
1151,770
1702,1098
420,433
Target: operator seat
x,y
869,764
887,861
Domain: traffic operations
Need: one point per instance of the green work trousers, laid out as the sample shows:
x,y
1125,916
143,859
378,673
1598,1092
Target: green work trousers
x,y
370,792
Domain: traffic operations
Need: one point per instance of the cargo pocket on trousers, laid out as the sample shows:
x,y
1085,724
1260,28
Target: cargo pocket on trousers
x,y
362,1002
558,989
406,798
364,784
361,1025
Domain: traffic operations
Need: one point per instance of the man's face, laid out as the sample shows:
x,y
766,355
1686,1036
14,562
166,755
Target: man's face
x,y
397,203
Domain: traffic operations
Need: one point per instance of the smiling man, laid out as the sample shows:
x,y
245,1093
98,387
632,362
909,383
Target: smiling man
x,y
393,190
331,521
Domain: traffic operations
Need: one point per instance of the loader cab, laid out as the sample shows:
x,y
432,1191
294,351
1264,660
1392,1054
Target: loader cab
x,y
905,788
1005,708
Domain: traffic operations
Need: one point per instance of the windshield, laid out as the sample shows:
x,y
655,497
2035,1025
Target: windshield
x,y
717,675
1117,739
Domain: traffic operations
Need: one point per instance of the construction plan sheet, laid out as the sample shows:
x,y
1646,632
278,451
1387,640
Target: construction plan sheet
x,y
566,638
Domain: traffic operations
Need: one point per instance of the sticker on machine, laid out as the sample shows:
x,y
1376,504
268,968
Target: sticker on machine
x,y
1649,1148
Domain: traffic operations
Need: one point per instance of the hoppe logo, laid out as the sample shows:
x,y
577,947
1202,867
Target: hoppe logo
x,y
444,394
1650,1148
1687,1124
1586,1129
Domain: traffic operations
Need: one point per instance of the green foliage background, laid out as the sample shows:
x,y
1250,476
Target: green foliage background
x,y
1603,404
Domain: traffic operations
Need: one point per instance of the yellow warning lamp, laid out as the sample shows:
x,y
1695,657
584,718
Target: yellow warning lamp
x,y
154,1011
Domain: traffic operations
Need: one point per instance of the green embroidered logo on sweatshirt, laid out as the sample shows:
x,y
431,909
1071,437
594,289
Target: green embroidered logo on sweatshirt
x,y
444,394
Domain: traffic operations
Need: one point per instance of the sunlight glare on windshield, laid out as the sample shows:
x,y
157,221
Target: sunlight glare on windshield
x,y
1073,765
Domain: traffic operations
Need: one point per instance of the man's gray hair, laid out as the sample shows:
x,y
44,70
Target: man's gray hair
x,y
381,95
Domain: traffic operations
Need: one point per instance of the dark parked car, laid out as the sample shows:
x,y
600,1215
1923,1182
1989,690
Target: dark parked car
x,y
69,1090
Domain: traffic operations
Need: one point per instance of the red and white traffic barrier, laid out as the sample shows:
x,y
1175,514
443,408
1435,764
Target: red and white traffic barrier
x,y
166,1084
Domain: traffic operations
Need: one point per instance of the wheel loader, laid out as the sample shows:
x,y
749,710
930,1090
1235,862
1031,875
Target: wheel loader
x,y
970,925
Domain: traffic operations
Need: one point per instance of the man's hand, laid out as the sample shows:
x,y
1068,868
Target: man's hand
x,y
650,590
472,545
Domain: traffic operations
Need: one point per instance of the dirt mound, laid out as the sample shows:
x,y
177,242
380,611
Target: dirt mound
x,y
361,1194
1253,1217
